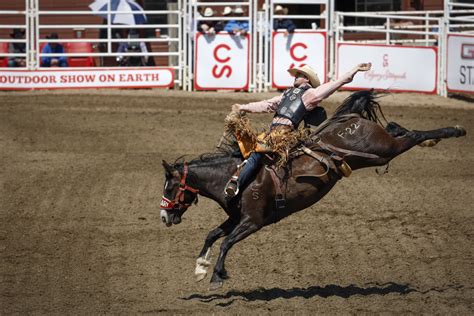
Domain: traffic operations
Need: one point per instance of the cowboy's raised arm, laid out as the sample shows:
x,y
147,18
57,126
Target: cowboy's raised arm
x,y
314,96
265,106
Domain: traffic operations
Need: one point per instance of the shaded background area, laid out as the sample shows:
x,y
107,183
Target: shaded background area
x,y
81,180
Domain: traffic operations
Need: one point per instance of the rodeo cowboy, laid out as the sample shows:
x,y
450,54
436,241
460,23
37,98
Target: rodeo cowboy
x,y
290,109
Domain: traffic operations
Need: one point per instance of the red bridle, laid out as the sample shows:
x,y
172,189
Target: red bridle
x,y
178,202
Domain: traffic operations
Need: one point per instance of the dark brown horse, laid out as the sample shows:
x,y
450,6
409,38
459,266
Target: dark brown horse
x,y
354,132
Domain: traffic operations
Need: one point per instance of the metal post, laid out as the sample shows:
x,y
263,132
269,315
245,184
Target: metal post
x,y
261,36
330,21
443,52
269,55
427,24
36,25
334,43
183,43
387,30
252,43
192,9
174,19
109,31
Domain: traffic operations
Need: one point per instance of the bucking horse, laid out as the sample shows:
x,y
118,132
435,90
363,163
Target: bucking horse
x,y
352,138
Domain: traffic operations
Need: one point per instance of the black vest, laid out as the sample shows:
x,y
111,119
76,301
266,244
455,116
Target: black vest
x,y
291,105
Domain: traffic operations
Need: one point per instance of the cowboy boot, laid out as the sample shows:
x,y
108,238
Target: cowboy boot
x,y
232,187
244,173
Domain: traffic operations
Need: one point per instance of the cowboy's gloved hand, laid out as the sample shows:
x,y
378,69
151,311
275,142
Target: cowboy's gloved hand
x,y
364,66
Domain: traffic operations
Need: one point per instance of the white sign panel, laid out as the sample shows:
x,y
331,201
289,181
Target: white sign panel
x,y
73,79
222,62
460,63
296,50
394,68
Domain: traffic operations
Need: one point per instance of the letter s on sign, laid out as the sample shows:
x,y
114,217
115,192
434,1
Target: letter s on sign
x,y
292,51
220,73
216,56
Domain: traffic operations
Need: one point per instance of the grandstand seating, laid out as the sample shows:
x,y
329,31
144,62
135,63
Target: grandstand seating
x,y
3,59
79,47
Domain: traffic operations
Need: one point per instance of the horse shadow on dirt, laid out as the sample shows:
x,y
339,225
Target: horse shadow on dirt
x,y
309,292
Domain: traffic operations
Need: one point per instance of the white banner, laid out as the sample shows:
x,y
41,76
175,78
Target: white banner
x,y
90,78
295,50
222,62
460,66
394,68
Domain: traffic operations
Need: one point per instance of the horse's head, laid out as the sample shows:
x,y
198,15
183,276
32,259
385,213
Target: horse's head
x,y
177,195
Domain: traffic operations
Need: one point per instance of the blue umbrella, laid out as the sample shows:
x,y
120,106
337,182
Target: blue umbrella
x,y
133,12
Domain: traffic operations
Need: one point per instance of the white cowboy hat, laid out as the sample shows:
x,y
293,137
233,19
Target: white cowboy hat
x,y
208,12
238,10
280,9
227,11
308,72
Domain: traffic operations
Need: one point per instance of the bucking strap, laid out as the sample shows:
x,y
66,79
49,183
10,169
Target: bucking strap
x,y
344,169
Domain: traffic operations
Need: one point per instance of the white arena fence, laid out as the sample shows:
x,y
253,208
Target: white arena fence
x,y
419,51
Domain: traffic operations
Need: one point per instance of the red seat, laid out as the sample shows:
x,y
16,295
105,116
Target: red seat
x,y
4,59
79,47
41,46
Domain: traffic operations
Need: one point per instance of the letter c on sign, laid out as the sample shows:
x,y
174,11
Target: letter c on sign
x,y
216,56
292,51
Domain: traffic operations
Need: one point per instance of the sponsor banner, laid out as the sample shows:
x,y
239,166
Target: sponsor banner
x,y
222,62
90,78
460,64
296,50
394,68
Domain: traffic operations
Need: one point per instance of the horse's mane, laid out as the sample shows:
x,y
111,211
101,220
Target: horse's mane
x,y
225,151
363,103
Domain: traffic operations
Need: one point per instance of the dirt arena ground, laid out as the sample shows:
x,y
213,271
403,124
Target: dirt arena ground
x,y
80,233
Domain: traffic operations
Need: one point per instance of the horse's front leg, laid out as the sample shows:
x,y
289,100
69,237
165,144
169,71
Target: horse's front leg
x,y
245,228
203,262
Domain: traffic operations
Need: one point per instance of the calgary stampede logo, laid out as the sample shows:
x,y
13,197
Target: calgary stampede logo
x,y
386,74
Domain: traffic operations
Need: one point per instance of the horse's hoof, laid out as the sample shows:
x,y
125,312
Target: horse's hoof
x,y
200,277
462,130
201,269
215,285
429,142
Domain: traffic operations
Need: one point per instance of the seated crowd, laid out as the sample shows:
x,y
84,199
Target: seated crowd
x,y
238,26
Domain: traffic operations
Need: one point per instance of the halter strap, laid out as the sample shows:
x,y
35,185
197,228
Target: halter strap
x,y
179,198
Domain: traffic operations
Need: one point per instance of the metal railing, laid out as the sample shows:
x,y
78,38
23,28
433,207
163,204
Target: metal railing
x,y
8,42
427,28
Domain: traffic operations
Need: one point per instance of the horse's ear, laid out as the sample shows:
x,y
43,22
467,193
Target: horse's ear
x,y
169,169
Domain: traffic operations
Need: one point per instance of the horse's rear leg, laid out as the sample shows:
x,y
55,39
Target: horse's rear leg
x,y
203,262
413,138
245,228
395,130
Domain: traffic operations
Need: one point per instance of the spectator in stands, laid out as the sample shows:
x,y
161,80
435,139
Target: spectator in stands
x,y
281,23
227,11
210,27
237,27
132,46
52,48
17,48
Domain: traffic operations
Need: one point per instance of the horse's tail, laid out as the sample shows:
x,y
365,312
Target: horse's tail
x,y
363,103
